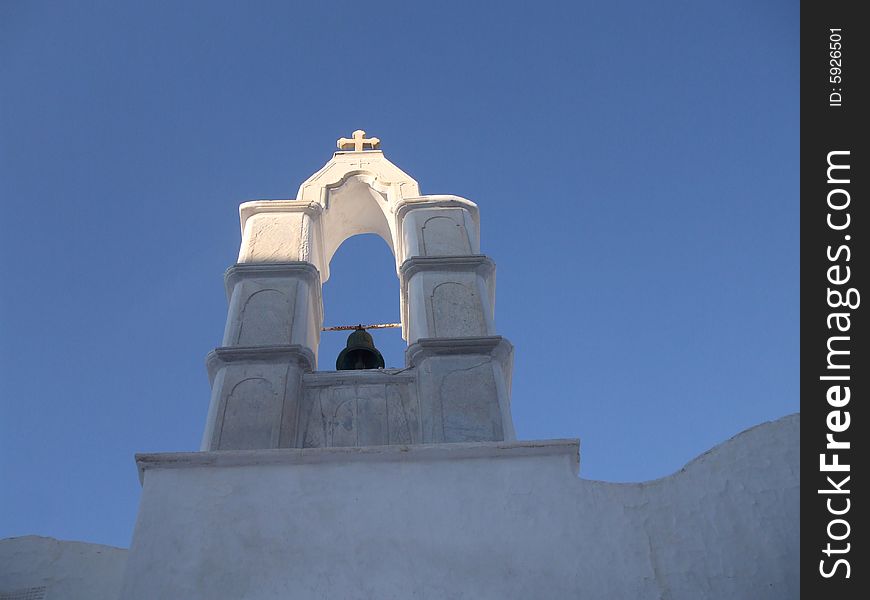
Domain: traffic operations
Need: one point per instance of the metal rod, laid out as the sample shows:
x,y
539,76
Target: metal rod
x,y
374,326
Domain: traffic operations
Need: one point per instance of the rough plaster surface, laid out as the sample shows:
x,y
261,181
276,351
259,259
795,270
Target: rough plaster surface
x,y
67,570
464,388
359,408
273,304
479,520
255,392
448,297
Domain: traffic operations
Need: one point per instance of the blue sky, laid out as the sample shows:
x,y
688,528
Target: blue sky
x,y
635,164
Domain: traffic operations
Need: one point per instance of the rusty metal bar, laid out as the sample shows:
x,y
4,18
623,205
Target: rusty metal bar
x,y
349,327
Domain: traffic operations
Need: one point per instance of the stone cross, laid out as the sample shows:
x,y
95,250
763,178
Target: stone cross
x,y
358,142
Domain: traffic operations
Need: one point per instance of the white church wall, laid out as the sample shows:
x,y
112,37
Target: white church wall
x,y
36,568
490,520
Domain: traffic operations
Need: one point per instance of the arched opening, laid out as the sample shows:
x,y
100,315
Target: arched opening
x,y
363,288
354,207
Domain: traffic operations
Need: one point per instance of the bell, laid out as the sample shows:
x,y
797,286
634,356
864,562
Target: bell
x,y
360,353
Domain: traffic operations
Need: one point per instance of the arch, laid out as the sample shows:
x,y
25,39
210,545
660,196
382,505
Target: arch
x,y
354,206
364,289
354,193
359,193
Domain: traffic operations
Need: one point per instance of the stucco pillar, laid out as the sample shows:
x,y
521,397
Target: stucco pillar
x,y
281,231
463,368
273,304
437,226
272,330
464,387
256,396
270,340
448,296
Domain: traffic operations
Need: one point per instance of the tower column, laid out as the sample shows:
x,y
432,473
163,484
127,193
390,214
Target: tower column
x,y
463,368
464,387
273,304
270,340
448,296
272,331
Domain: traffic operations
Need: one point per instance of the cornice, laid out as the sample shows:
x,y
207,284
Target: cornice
x,y
440,201
493,345
480,263
286,353
367,377
255,207
568,448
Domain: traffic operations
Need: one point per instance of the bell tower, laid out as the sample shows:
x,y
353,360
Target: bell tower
x,y
267,391
369,482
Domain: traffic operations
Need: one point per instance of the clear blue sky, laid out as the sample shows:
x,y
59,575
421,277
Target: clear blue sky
x,y
635,165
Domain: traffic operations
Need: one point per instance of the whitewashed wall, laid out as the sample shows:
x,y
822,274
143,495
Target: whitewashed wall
x,y
490,520
37,568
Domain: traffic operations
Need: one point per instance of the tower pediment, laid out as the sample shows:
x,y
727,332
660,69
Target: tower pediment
x,y
370,166
354,193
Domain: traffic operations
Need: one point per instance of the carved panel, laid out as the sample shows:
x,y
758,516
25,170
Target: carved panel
x,y
373,414
332,419
443,236
266,319
456,311
251,414
469,405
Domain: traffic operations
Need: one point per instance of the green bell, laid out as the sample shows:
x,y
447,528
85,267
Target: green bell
x,y
360,353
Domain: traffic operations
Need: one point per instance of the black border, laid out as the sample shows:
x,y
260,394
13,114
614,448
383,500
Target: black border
x,y
826,128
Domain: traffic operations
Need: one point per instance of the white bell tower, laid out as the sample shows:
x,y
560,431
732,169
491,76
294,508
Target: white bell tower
x,y
266,392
